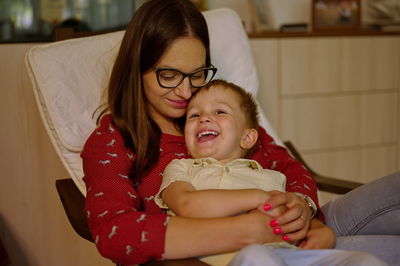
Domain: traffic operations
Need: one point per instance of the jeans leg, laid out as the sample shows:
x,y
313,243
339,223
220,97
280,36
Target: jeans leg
x,y
385,247
373,208
331,257
257,255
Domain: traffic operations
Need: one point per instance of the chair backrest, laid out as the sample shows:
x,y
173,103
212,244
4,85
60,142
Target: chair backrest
x,y
69,79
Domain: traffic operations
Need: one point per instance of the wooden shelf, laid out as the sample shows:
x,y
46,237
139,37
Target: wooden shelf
x,y
333,33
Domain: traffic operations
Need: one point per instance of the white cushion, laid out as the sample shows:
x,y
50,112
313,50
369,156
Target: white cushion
x,y
232,55
69,79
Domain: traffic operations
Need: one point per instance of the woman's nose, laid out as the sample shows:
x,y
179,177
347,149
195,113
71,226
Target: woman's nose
x,y
184,89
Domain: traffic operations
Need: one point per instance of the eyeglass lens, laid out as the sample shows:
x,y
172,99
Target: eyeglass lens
x,y
172,78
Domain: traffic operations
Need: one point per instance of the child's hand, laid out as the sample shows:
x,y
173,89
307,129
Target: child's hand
x,y
320,236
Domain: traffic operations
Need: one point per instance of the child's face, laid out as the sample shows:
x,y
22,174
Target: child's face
x,y
215,125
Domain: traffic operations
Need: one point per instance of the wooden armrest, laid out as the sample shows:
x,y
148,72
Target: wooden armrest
x,y
328,184
4,258
73,202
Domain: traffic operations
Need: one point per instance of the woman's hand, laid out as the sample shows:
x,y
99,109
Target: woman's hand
x,y
294,223
320,236
273,212
261,230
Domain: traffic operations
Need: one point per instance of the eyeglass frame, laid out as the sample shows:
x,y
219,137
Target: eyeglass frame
x,y
158,70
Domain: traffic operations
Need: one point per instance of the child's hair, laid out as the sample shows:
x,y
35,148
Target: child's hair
x,y
247,104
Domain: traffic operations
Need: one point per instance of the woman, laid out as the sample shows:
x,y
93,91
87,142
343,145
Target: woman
x,y
123,159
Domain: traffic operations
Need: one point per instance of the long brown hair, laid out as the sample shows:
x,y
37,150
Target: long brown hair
x,y
155,25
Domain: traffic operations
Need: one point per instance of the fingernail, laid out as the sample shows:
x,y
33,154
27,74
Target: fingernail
x,y
273,223
267,207
277,230
285,238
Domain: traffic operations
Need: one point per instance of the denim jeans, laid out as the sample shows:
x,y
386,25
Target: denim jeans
x,y
260,255
368,219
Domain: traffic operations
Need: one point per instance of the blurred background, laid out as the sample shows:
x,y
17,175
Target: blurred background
x,y
34,20
335,95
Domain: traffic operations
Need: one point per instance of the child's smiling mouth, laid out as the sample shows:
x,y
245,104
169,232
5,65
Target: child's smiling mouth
x,y
206,135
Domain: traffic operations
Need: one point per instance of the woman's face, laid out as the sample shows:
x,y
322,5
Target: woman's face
x,y
185,54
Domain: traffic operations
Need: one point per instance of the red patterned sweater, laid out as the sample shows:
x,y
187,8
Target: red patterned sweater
x,y
126,225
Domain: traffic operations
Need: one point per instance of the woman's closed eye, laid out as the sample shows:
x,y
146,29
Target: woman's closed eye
x,y
168,75
198,76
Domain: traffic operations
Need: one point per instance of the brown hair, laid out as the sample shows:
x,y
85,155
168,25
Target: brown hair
x,y
247,102
155,25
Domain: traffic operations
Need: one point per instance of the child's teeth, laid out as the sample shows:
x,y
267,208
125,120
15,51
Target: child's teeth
x,y
201,134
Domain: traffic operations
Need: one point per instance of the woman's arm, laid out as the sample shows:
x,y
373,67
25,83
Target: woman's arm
x,y
121,231
184,200
188,237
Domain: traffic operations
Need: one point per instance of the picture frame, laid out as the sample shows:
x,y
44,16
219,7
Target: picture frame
x,y
336,15
202,5
261,17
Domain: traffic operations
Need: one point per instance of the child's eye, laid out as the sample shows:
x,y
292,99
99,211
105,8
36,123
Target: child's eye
x,y
219,112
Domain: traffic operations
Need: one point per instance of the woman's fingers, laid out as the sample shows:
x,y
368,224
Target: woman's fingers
x,y
276,212
293,200
293,220
296,236
277,198
289,199
259,222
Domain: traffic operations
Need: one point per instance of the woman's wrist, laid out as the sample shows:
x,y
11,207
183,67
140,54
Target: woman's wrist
x,y
309,203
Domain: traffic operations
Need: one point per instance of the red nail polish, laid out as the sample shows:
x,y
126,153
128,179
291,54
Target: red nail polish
x,y
267,207
273,223
285,238
277,230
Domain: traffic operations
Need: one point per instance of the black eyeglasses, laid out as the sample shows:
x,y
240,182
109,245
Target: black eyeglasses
x,y
171,78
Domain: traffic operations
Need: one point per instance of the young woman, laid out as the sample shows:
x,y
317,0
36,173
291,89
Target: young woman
x,y
164,57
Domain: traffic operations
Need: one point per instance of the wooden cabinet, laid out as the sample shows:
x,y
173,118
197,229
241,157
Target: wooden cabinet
x,y
336,98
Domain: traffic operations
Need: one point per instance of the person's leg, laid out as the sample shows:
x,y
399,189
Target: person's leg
x,y
258,255
384,247
322,257
373,208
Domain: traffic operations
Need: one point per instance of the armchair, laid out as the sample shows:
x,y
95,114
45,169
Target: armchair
x,y
69,78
